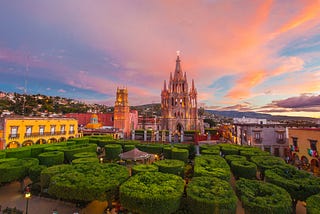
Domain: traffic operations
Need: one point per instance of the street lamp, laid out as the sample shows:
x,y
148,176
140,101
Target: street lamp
x,y
27,195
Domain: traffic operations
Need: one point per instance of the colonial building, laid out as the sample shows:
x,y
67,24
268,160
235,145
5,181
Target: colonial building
x,y
24,131
122,112
179,103
303,144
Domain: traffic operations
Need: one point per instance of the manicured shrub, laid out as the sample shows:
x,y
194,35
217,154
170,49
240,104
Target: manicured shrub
x,y
144,168
249,152
210,152
313,204
152,192
180,154
38,149
23,152
28,163
51,158
189,146
11,170
70,151
299,184
167,152
128,147
53,148
171,166
88,182
230,158
212,165
244,169
35,171
229,149
266,162
208,147
85,160
211,195
85,155
151,148
2,154
263,198
3,160
47,173
113,151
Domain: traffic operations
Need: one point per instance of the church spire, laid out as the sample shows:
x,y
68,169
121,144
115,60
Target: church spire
x,y
165,85
178,71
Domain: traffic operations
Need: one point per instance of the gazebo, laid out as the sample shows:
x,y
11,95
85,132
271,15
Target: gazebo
x,y
135,154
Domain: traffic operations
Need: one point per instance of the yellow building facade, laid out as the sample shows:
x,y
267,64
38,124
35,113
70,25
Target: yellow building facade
x,y
24,131
304,147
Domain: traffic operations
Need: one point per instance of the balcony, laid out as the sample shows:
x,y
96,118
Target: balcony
x,y
257,140
14,136
281,141
43,134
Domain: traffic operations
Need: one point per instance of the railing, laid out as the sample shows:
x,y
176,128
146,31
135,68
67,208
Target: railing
x,y
14,136
258,140
32,135
281,141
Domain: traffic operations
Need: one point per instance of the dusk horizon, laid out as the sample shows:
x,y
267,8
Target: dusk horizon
x,y
260,56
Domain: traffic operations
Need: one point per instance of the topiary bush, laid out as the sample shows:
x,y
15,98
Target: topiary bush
x,y
70,151
230,158
152,192
2,154
299,184
128,147
35,171
211,195
267,162
51,158
209,147
11,170
85,160
144,168
151,148
244,169
210,152
229,149
175,167
47,173
313,204
22,152
189,146
212,165
249,152
167,152
180,154
85,155
88,182
263,198
113,151
28,163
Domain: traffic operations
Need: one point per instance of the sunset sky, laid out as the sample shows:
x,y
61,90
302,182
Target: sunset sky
x,y
246,55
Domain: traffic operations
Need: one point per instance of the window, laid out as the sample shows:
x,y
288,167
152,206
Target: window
x,y
295,141
280,135
71,131
41,130
63,129
14,131
28,131
52,129
313,145
257,135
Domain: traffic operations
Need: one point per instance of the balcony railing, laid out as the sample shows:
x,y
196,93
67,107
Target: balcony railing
x,y
14,136
281,141
258,140
44,134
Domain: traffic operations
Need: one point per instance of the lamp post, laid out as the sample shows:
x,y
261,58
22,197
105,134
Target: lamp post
x,y
27,195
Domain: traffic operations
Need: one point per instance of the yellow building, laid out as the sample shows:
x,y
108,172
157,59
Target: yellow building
x,y
94,122
304,149
23,131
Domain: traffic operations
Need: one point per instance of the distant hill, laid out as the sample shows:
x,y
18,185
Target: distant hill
x,y
239,114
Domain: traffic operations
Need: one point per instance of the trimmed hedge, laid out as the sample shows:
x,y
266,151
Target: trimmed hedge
x,y
180,154
248,152
211,195
267,162
70,151
229,149
263,198
175,167
210,152
128,147
2,154
209,147
298,183
212,165
35,171
113,151
151,148
11,170
54,148
230,158
87,160
167,152
47,173
51,158
144,168
88,182
23,152
190,147
152,192
244,169
313,204
85,155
